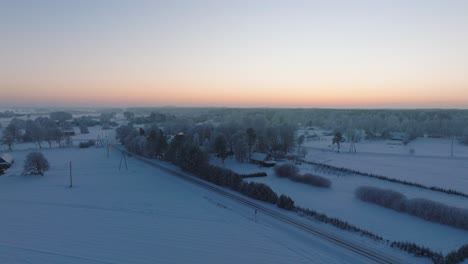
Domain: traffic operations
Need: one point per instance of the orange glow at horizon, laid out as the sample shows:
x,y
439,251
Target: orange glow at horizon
x,y
236,95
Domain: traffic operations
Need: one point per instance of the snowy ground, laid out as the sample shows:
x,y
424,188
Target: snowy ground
x,y
142,215
339,201
436,147
445,172
431,165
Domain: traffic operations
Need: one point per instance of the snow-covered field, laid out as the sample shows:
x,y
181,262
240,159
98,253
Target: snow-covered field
x,y
431,164
339,201
140,215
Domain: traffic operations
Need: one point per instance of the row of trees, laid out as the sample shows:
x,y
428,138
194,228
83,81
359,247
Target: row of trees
x,y
220,139
189,157
418,122
291,171
422,208
42,129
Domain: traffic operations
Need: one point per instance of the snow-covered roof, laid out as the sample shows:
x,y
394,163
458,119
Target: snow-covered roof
x,y
259,156
6,158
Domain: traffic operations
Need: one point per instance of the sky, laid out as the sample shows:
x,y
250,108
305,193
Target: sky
x,y
243,53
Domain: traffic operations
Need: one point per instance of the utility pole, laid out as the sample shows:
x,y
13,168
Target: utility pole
x,y
71,179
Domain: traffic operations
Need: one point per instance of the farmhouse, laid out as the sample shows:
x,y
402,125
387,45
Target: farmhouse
x,y
262,159
6,160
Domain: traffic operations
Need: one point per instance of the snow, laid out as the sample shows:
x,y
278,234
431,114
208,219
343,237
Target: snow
x,y
445,172
139,215
431,165
339,201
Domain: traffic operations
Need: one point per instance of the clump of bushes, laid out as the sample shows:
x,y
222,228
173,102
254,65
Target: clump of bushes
x,y
287,170
386,198
314,180
291,172
422,208
87,144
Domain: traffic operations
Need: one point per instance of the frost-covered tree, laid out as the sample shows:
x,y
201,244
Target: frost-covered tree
x,y
10,135
35,164
337,139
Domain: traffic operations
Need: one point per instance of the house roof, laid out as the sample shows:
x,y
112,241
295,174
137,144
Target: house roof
x,y
259,156
6,158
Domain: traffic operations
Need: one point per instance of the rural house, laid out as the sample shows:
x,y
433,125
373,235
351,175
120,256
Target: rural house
x,y
262,159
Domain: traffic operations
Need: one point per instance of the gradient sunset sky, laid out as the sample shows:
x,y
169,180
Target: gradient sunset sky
x,y
375,53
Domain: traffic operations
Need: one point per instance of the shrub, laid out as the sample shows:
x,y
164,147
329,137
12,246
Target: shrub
x,y
383,197
438,212
314,180
287,170
87,144
35,164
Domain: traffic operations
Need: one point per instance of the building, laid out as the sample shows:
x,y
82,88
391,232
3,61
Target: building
x,y
262,159
6,160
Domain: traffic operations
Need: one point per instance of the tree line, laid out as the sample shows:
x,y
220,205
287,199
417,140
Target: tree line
x,y
377,122
51,129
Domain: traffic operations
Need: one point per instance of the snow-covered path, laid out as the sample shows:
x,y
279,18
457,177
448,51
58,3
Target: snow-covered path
x,y
142,215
